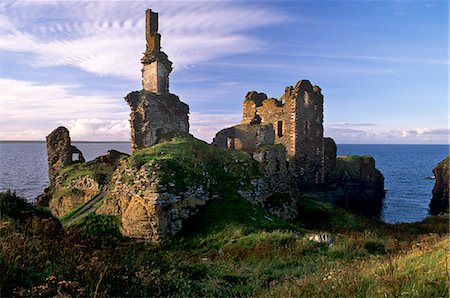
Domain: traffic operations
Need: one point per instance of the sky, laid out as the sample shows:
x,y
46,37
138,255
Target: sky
x,y
382,65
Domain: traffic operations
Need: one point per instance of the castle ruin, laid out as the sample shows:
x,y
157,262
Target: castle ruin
x,y
287,154
296,122
154,110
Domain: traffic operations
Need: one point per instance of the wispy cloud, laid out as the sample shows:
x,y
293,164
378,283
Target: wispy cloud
x,y
107,38
369,133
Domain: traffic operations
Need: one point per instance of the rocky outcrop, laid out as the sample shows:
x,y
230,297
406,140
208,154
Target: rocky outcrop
x,y
158,188
60,151
76,184
440,200
146,210
153,115
359,184
69,196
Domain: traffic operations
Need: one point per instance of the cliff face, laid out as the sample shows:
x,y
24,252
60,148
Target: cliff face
x,y
360,185
440,200
76,184
158,188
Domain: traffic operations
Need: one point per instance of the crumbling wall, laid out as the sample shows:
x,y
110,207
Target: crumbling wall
x,y
156,66
271,112
275,181
60,151
297,119
153,115
245,137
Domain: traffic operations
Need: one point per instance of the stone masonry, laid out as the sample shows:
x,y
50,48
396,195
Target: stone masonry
x,y
60,151
245,137
297,121
155,111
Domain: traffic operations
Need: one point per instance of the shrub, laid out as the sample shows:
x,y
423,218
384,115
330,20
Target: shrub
x,y
11,205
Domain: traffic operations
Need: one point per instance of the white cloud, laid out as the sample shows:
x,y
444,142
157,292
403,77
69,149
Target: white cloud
x,y
107,38
205,126
98,130
26,105
367,133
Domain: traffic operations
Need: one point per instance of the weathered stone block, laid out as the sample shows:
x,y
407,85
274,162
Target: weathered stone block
x,y
60,152
153,115
245,137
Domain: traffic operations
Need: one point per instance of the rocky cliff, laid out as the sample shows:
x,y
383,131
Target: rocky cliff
x,y
76,184
158,188
440,200
357,184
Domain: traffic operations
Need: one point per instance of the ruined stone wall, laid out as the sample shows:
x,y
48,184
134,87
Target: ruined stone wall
x,y
155,63
272,112
155,77
276,180
60,151
245,137
297,119
153,115
309,157
329,149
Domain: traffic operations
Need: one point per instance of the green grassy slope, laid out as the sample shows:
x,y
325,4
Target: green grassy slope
x,y
232,249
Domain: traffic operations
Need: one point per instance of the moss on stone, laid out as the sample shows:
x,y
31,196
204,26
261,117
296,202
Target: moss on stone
x,y
181,162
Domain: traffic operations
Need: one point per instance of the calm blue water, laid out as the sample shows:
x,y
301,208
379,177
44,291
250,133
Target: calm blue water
x,y
405,168
23,165
23,168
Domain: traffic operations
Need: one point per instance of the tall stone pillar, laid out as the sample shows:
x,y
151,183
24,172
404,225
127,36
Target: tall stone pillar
x,y
155,63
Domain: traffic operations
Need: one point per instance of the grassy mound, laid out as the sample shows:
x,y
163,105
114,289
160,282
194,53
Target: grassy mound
x,y
181,161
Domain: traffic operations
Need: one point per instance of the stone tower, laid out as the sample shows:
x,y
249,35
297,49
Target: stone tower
x,y
297,118
154,110
155,63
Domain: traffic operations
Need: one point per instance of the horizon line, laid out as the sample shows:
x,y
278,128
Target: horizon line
x,y
77,141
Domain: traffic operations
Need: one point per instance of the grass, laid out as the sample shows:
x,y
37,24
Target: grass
x,y
183,161
231,248
99,171
72,212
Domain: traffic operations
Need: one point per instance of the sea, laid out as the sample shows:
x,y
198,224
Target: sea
x,y
407,170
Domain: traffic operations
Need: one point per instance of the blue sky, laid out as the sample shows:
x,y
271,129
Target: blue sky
x,y
382,65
